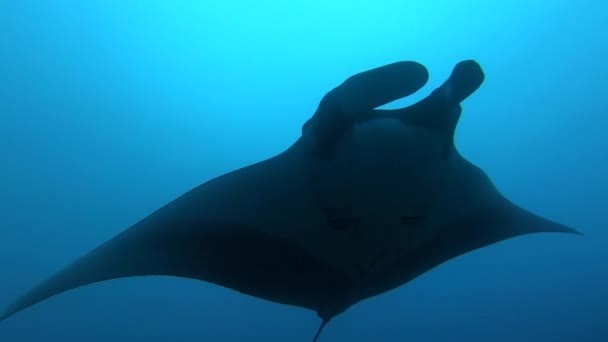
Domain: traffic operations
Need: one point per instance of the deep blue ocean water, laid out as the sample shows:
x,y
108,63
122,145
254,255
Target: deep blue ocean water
x,y
109,109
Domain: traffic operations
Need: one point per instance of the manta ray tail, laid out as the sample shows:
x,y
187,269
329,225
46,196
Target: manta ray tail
x,y
325,321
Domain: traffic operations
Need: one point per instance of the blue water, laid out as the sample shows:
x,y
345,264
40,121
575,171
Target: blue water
x,y
109,109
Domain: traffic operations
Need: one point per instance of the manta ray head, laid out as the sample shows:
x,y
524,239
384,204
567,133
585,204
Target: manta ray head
x,y
405,200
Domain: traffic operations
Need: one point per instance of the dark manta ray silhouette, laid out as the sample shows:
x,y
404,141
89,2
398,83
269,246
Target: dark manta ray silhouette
x,y
363,202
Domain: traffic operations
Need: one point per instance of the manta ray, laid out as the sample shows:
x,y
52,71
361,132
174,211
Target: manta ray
x,y
364,201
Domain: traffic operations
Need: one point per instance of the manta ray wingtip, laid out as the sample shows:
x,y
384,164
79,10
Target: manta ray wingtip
x,y
571,230
532,223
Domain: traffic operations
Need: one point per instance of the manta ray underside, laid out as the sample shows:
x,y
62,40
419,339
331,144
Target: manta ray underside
x,y
363,202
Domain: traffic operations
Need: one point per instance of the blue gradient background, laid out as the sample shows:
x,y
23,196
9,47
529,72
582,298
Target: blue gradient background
x,y
109,109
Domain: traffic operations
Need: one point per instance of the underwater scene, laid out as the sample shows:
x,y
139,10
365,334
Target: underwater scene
x,y
303,170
